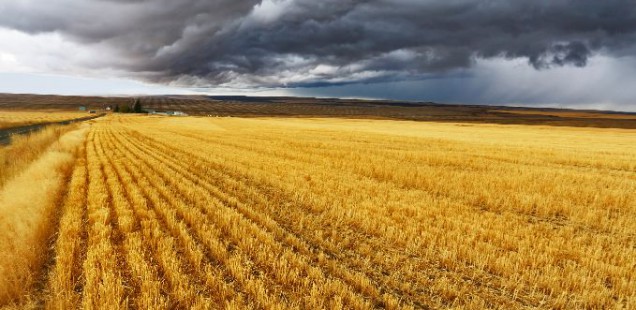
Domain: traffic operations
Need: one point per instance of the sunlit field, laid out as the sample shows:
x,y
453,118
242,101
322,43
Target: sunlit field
x,y
284,213
21,118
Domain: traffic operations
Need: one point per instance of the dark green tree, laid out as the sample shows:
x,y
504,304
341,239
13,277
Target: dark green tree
x,y
125,109
116,108
136,107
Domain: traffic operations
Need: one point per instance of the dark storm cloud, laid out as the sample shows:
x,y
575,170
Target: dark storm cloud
x,y
309,42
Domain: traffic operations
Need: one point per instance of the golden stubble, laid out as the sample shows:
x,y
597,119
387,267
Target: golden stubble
x,y
274,213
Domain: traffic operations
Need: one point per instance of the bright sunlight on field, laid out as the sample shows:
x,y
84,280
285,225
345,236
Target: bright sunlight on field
x,y
331,213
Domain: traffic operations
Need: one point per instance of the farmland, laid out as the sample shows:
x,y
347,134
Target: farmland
x,y
10,119
241,106
156,212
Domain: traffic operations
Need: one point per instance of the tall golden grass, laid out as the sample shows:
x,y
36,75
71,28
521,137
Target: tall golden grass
x,y
24,149
197,213
27,209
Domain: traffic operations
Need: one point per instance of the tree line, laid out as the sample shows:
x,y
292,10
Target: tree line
x,y
134,107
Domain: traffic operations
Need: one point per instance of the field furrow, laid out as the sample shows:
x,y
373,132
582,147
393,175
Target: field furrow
x,y
104,286
65,279
147,285
229,230
160,229
338,248
192,171
407,177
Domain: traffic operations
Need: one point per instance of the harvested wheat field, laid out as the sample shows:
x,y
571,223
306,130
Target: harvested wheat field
x,y
273,213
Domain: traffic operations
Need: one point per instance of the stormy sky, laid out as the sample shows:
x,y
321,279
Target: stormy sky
x,y
578,53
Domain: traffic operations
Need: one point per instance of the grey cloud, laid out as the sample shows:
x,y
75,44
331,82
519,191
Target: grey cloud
x,y
605,83
308,42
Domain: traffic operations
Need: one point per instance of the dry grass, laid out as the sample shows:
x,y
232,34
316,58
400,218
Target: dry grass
x,y
24,149
21,118
325,213
27,217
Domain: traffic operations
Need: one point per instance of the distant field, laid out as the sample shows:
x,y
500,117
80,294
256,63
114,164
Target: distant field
x,y
571,114
50,102
316,213
21,118
239,106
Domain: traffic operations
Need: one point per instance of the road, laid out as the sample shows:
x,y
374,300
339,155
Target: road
x,y
6,134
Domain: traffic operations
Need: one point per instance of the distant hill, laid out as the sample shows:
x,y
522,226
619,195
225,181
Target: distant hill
x,y
244,106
